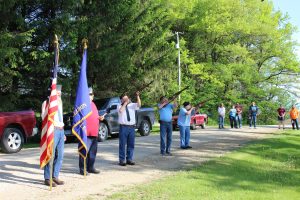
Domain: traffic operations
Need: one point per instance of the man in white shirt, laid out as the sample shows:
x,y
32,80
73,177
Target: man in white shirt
x,y
221,112
126,112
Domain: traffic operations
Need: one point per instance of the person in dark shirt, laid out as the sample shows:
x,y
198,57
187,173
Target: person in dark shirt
x,y
281,116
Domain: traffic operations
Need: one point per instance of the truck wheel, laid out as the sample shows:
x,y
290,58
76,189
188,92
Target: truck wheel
x,y
103,132
145,128
12,140
203,125
193,126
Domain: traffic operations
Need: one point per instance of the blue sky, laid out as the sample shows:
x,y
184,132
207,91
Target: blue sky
x,y
291,7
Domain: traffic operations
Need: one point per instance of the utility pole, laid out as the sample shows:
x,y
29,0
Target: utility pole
x,y
179,70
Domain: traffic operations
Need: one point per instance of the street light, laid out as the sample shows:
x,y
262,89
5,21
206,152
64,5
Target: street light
x,y
179,71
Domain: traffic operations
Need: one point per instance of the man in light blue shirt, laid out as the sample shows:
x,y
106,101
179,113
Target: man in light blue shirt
x,y
184,123
165,120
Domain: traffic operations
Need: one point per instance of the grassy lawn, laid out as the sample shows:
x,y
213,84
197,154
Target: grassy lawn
x,y
267,169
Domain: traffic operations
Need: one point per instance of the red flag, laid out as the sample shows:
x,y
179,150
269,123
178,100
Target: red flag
x,y
49,108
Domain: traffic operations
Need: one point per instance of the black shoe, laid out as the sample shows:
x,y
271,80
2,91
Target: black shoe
x,y
182,147
47,182
82,173
188,147
94,171
168,154
122,164
129,162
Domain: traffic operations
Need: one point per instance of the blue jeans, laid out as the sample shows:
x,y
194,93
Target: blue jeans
x,y
58,153
126,137
165,130
239,120
184,136
252,120
92,145
221,122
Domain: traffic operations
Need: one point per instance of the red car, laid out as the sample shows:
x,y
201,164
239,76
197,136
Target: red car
x,y
197,119
15,128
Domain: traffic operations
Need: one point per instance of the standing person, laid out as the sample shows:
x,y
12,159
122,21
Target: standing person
x,y
281,116
184,123
232,117
294,113
165,119
253,112
221,112
58,146
126,112
239,111
92,123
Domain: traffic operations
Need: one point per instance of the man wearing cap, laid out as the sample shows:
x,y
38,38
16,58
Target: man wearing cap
x,y
184,123
165,120
92,138
126,113
59,140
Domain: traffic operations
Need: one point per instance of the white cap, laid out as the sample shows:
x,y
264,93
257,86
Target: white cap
x,y
90,90
58,87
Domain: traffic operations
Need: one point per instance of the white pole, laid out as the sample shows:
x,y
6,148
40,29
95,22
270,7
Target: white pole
x,y
179,71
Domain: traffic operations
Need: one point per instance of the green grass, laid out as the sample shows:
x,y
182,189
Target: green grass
x,y
268,169
155,129
30,145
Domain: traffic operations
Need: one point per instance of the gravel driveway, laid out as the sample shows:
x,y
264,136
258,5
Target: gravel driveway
x,y
21,178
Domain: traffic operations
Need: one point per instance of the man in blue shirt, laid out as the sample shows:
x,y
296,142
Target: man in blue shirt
x,y
165,120
184,123
253,112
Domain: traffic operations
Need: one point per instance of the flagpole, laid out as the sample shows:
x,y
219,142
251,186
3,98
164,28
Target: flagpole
x,y
53,151
84,43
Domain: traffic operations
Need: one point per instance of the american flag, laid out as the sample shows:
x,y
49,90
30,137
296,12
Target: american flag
x,y
49,109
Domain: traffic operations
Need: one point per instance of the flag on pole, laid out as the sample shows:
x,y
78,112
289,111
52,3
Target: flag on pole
x,y
82,108
49,109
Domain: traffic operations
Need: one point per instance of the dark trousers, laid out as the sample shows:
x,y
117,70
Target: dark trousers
x,y
165,137
295,122
233,121
92,145
126,141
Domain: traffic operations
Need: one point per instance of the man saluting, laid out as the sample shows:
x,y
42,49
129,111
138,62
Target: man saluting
x,y
126,112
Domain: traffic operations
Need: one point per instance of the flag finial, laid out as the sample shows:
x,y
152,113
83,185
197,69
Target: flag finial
x,y
84,43
55,42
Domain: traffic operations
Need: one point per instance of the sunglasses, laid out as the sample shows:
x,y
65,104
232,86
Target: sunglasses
x,y
91,94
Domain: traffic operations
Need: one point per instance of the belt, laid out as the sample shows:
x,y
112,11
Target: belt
x,y
59,128
164,122
133,126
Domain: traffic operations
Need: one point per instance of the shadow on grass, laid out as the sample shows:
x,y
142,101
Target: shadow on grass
x,y
258,167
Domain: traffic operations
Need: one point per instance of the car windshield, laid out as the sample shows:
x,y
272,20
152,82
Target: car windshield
x,y
102,103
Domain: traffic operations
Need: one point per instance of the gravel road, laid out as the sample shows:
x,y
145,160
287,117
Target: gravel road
x,y
21,178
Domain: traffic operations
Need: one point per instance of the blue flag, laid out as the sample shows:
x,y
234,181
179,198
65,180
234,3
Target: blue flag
x,y
82,108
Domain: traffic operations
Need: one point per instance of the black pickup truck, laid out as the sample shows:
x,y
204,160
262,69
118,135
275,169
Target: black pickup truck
x,y
109,126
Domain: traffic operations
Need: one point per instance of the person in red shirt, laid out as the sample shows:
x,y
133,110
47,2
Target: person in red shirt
x,y
92,123
281,115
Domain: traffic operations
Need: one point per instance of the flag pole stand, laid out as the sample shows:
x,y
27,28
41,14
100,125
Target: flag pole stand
x,y
51,167
84,169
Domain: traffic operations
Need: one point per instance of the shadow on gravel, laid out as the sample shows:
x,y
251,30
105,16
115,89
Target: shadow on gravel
x,y
7,175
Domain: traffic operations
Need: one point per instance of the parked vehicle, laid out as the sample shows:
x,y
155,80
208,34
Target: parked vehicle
x,y
15,129
197,119
109,126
